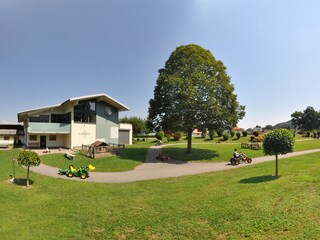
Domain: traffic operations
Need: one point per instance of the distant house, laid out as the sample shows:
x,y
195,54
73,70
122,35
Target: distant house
x,y
77,121
11,134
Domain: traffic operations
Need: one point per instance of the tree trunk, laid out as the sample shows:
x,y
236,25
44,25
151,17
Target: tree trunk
x,y
189,148
27,184
277,165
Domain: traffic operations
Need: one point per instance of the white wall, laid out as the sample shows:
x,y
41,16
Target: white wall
x,y
5,142
82,134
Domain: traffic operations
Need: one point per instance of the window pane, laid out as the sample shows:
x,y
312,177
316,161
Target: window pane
x,y
85,112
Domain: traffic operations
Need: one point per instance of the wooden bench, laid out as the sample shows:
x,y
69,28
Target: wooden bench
x,y
70,156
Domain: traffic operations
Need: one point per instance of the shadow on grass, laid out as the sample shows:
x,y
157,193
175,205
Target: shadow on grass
x,y
259,179
196,155
135,154
22,181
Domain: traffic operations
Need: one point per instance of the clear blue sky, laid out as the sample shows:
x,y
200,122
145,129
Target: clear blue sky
x,y
54,50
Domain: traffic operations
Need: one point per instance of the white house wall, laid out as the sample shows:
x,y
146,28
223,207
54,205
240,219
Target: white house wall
x,y
6,142
82,134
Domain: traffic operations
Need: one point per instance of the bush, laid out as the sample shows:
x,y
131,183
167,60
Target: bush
x,y
308,134
204,134
232,134
225,136
255,133
258,139
244,133
211,134
219,133
238,135
252,138
314,135
168,136
160,135
177,136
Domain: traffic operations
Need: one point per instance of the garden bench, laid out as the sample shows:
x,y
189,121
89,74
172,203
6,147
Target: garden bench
x,y
4,146
70,156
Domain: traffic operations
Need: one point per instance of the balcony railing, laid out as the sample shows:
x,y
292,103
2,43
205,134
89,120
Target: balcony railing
x,y
53,128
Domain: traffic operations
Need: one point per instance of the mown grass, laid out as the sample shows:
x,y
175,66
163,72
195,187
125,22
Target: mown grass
x,y
213,152
134,155
242,203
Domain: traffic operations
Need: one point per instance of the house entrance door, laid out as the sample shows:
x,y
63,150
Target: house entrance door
x,y
43,142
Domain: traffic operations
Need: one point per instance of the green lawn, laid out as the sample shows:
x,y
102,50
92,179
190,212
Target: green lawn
x,y
134,155
242,203
214,152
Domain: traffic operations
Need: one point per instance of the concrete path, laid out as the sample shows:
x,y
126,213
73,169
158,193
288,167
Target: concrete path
x,y
155,169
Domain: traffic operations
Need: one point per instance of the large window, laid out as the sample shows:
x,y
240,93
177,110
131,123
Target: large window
x,y
52,137
41,118
33,137
85,112
61,118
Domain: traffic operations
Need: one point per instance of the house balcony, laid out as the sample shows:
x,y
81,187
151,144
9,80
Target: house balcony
x,y
50,128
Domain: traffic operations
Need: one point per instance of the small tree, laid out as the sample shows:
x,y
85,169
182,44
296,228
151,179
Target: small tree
x,y
168,136
238,135
232,134
160,135
225,136
279,141
28,158
177,136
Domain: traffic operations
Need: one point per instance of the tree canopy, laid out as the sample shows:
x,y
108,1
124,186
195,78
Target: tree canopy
x,y
193,90
307,120
139,125
279,141
28,159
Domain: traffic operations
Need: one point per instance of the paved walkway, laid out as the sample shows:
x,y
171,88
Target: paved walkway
x,y
154,169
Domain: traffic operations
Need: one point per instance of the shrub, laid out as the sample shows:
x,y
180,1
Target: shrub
x,y
160,135
204,134
252,139
244,133
168,136
238,135
177,136
256,133
211,134
232,134
308,134
225,136
258,139
219,132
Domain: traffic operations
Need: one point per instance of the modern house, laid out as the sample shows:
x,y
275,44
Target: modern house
x,y
77,121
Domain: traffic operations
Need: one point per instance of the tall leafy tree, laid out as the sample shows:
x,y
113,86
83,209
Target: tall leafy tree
x,y
308,120
28,159
193,90
279,141
139,125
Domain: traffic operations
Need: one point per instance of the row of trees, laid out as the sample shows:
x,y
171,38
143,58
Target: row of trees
x,y
307,120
